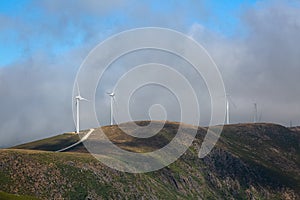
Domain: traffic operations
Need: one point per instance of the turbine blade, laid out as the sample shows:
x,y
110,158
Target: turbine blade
x,y
231,101
260,117
84,99
114,100
78,88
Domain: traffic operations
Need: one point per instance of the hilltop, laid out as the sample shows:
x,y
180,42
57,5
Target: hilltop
x,y
250,161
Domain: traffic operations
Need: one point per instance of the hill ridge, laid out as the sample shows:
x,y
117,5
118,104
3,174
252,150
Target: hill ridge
x,y
259,161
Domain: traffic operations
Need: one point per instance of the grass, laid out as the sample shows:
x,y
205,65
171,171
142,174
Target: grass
x,y
7,196
254,144
4,178
250,143
50,144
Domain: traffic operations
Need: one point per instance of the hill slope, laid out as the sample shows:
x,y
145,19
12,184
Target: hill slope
x,y
250,161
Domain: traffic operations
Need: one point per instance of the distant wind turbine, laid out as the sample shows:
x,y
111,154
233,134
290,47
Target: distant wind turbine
x,y
78,98
112,98
228,102
260,116
255,113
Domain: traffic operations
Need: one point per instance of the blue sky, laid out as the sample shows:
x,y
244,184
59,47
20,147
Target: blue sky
x,y
25,22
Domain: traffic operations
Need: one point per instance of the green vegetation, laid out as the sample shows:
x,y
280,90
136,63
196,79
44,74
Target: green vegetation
x,y
258,161
6,196
51,144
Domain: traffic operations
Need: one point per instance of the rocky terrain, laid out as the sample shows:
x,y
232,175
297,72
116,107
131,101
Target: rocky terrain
x,y
250,161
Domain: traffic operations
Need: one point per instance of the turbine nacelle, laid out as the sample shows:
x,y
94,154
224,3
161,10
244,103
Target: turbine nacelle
x,y
111,94
80,98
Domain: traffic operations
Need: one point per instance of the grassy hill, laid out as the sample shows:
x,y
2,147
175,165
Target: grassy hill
x,y
250,161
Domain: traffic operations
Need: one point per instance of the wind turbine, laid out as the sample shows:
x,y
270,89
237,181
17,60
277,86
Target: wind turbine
x,y
255,112
260,116
78,98
112,98
228,102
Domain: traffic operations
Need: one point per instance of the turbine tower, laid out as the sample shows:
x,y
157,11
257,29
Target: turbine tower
x,y
255,112
228,102
227,111
78,98
112,98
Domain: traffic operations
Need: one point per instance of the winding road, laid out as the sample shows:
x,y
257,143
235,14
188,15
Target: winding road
x,y
80,141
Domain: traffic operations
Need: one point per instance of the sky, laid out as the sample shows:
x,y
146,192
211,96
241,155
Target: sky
x,y
43,43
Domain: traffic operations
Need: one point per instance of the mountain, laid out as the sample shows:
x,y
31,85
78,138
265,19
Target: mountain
x,y
250,161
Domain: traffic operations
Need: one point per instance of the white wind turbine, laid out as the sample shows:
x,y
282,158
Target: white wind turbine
x,y
78,98
255,112
112,98
228,102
